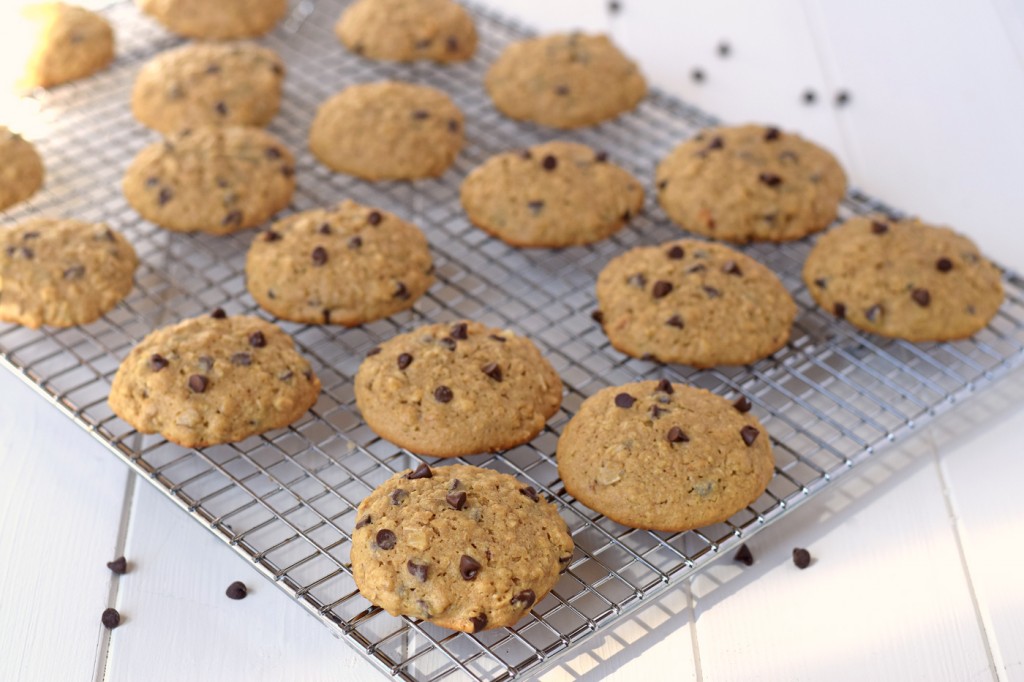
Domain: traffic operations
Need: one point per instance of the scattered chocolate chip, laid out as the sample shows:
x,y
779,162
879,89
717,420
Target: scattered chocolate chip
x,y
386,539
601,157
478,622
744,556
921,297
878,227
614,6
840,310
118,565
944,265
535,207
661,289
524,599
872,312
624,400
530,492
373,351
272,153
676,435
236,590
731,268
742,404
421,471
801,557
809,96
675,321
374,218
319,256
355,242
456,500
770,179
271,236
665,386
492,370
469,567
549,162
697,75
724,49
443,394
398,496
401,292
499,339
749,434
404,360
257,340
676,252
597,316
460,331
771,134
164,196
365,521
157,362
418,571
637,280
110,618
842,98
241,359
198,383
711,291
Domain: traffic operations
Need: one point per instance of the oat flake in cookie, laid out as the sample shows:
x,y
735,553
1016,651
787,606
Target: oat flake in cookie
x,y
213,379
750,183
344,265
216,19
664,456
551,195
61,273
457,388
408,30
904,279
465,548
215,180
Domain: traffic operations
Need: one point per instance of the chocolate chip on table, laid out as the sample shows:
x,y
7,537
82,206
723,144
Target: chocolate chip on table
x,y
355,242
110,618
742,404
676,252
549,162
460,331
676,435
744,556
386,539
921,297
944,265
319,256
363,522
840,310
198,383
241,359
271,236
771,134
624,400
614,6
525,599
421,471
731,268
801,557
873,312
418,571
878,227
809,96
842,98
597,316
724,49
492,370
453,125
675,321
374,218
157,362
478,622
237,590
749,434
665,386
661,289
530,492
469,567
401,292
456,500
118,566
257,340
697,75
770,179
443,394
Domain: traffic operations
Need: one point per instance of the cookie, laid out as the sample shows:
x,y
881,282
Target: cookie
x,y
345,265
213,379
695,303
54,43
554,194
387,131
61,272
208,84
903,279
220,20
465,548
408,30
750,183
457,389
566,80
215,180
664,456
21,169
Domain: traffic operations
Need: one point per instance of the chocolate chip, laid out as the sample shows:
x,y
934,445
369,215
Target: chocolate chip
x,y
665,386
842,98
164,196
749,434
676,435
443,394
624,400
418,571
355,242
873,312
944,265
271,236
241,359
157,362
386,539
526,154
272,153
324,229
809,96
319,256
456,500
675,321
711,291
404,360
771,134
373,351
530,492
287,171
770,179
597,316
820,282
401,292
198,383
535,207
469,567
549,162
656,411
840,310
453,125
676,252
118,565
236,590
499,339
524,599
460,331
233,218
257,340
879,227
562,90
218,314
744,556
421,471
697,75
921,297
74,272
110,618
662,184
492,370
398,496
614,6
452,43
205,363
661,289
374,218
637,280
365,521
731,268
221,108
601,157
478,622
801,557
742,405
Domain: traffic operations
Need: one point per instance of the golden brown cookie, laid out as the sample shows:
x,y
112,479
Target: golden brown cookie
x,y
213,379
215,180
664,456
54,42
345,265
216,19
408,30
208,84
566,80
61,272
387,131
455,389
750,183
21,169
552,195
465,548
903,279
693,302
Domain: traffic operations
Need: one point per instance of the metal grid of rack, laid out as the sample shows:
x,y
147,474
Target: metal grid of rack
x,y
286,500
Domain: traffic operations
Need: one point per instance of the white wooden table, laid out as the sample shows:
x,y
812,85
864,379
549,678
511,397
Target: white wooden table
x,y
918,555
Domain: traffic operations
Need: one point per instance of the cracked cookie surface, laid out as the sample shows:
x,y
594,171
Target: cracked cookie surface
x,y
408,30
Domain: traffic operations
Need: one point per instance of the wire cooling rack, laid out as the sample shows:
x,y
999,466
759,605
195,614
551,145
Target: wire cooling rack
x,y
286,500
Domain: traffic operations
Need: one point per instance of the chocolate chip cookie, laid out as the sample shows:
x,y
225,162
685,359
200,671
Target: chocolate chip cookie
x,y
566,80
216,20
57,43
344,265
387,131
215,180
21,169
213,379
664,456
552,195
408,30
904,279
693,302
62,273
462,547
208,84
750,183
457,389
